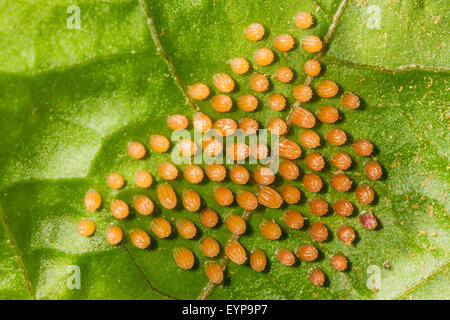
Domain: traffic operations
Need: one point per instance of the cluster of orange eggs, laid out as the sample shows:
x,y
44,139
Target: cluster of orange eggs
x,y
264,176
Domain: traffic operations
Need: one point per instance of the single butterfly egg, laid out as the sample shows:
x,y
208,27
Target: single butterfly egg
x,y
159,143
318,206
263,175
136,150
235,224
248,125
276,102
270,198
285,257
254,32
318,231
114,235
214,272
202,122
209,218
350,100
168,171
290,193
336,137
307,252
222,103
303,93
303,118
86,227
343,207
339,262
239,174
186,229
143,179
259,82
166,196
184,258
312,68
191,200
239,65
223,196
317,277
216,171
258,260
223,82
238,151
177,122
198,91
312,182
119,209
328,114
293,219
327,89
115,180
289,149
346,234
363,147
139,238
341,182
247,200
277,126
161,228
315,161
284,74
92,200
284,42
187,148
288,170
312,44
193,173
235,252
365,194
225,126
303,20
341,160
210,247
143,204
247,103
270,230
263,56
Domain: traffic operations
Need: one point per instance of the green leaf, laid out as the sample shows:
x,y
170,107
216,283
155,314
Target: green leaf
x,y
72,99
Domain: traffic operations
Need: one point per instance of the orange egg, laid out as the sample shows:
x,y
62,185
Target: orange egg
x,y
86,227
223,82
263,56
115,180
186,229
239,65
198,91
235,252
168,171
136,150
92,200
284,42
139,238
184,258
159,143
143,205
166,196
119,209
254,32
177,122
143,179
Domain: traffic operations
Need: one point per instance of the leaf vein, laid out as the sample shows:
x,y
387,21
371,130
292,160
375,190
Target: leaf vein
x,y
160,49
